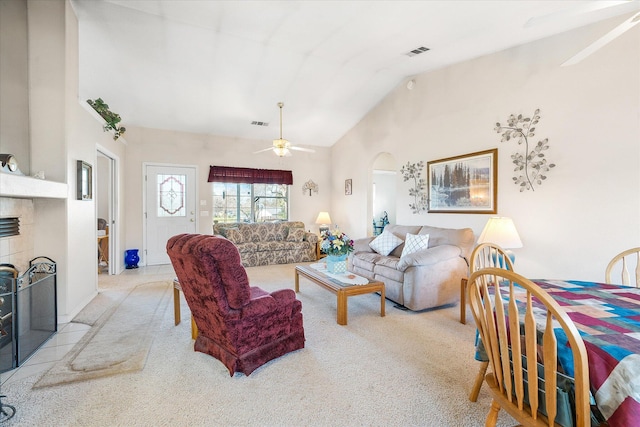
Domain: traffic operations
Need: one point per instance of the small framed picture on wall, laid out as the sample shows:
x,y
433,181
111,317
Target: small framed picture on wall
x,y
347,187
84,181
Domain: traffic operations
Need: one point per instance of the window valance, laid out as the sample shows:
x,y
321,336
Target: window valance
x,y
249,175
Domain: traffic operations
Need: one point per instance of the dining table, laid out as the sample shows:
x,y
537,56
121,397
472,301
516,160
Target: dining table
x,y
608,318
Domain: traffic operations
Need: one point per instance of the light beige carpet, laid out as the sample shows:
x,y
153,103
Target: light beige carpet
x,y
405,369
120,336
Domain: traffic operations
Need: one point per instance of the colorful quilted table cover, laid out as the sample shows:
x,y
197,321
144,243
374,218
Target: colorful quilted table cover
x,y
608,318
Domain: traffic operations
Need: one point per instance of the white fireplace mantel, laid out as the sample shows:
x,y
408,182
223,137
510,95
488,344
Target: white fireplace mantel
x,y
21,186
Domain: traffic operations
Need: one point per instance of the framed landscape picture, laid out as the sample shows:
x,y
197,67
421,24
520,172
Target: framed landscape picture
x,y
464,184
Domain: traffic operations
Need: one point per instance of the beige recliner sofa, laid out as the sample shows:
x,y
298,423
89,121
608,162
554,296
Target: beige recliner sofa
x,y
424,279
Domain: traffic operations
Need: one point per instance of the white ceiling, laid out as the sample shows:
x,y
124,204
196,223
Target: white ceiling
x,y
213,67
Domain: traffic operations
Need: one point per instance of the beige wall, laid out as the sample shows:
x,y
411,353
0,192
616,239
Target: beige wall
x,y
202,151
14,80
61,131
589,207
586,211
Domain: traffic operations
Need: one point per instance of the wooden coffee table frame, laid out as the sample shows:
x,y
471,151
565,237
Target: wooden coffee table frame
x,y
342,291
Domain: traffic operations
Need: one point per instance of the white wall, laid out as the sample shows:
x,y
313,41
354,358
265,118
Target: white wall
x,y
61,132
14,81
589,207
181,148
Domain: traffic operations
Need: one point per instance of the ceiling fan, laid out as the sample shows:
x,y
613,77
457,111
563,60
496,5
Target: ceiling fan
x,y
594,7
281,146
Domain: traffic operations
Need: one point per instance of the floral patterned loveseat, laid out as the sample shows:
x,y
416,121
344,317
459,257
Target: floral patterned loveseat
x,y
264,243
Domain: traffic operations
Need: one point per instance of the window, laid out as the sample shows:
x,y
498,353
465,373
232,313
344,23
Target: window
x,y
250,202
171,201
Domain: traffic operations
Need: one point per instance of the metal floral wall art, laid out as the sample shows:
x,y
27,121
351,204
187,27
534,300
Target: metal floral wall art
x,y
309,186
413,172
532,166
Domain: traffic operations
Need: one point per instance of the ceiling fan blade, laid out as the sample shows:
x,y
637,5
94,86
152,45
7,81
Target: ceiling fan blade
x,y
308,150
572,11
262,151
610,36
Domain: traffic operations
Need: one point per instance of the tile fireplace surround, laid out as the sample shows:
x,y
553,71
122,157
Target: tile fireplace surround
x,y
18,250
17,199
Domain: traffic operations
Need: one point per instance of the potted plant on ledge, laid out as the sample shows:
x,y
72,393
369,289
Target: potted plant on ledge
x,y
110,117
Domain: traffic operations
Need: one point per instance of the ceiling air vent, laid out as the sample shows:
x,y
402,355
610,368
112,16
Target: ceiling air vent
x,y
417,51
9,227
256,123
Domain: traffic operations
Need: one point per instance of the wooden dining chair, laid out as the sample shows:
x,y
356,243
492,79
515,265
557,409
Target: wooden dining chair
x,y
516,341
483,256
621,263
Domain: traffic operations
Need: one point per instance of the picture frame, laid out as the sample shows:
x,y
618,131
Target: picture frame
x,y
347,187
464,184
84,181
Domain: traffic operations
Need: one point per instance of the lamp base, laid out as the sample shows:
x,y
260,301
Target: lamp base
x,y
323,229
499,261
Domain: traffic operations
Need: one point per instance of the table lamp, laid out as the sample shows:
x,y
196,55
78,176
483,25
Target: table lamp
x,y
502,232
324,221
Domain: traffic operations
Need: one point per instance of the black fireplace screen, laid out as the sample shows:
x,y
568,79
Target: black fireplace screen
x,y
28,310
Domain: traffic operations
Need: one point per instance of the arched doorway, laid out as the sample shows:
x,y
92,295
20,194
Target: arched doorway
x,y
383,191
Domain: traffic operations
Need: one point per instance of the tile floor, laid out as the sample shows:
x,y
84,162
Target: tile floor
x,y
70,333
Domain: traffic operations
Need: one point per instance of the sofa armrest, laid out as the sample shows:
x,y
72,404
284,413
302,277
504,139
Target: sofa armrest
x,y
311,237
429,256
362,245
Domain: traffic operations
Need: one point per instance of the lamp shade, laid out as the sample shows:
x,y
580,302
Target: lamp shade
x,y
323,218
502,232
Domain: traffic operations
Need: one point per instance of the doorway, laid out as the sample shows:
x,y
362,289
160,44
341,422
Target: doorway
x,y
106,210
170,208
383,192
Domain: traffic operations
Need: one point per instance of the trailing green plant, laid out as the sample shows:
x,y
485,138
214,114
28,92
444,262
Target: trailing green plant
x,y
413,172
109,116
532,166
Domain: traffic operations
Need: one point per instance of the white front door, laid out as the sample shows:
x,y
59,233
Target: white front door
x,y
170,208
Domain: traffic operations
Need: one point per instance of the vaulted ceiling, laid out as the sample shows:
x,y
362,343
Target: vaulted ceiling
x,y
214,67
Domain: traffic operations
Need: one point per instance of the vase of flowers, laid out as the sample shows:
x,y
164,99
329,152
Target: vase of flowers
x,y
337,246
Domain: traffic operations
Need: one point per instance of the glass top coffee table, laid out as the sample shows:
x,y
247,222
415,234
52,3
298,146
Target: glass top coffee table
x,y
342,290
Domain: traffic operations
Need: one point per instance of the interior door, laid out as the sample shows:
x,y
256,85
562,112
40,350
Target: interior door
x,y
106,196
170,208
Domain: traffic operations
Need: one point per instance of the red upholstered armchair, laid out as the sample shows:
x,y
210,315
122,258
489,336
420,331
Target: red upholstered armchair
x,y
243,326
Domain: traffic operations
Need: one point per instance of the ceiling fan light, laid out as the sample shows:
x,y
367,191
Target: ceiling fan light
x,y
280,151
281,143
281,147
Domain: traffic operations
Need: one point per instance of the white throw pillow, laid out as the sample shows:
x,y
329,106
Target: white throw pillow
x,y
385,243
415,243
